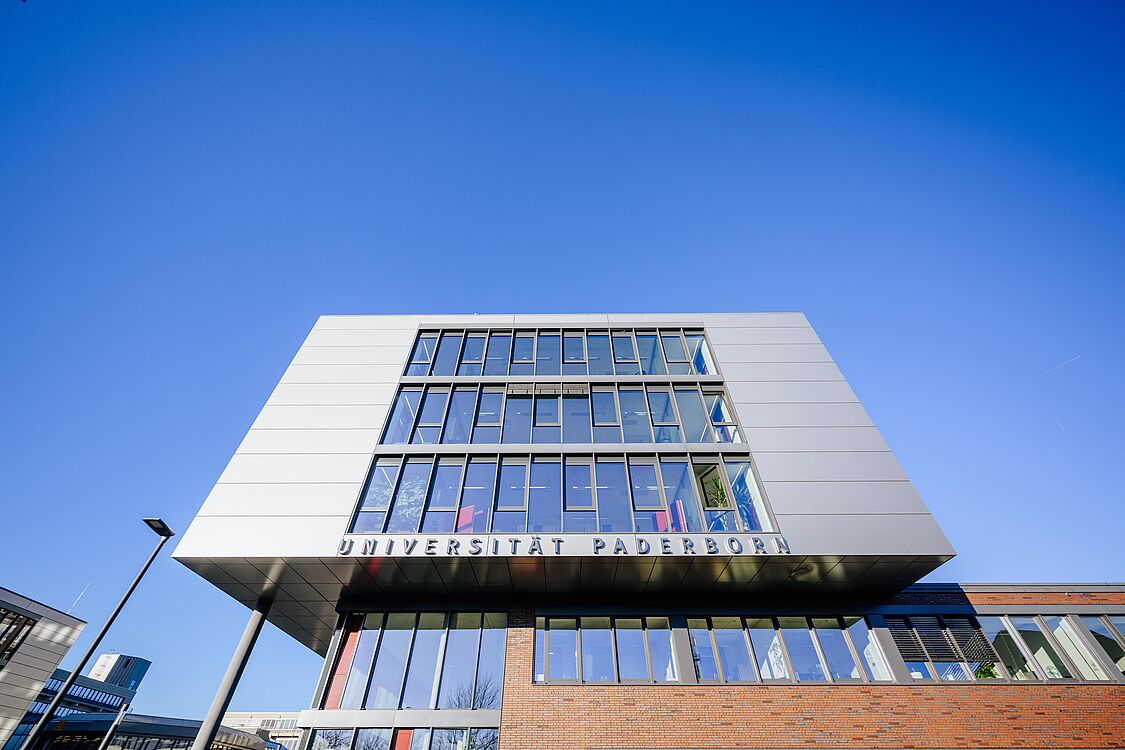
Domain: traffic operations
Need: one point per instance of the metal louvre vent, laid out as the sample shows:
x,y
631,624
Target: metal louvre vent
x,y
971,640
906,640
939,646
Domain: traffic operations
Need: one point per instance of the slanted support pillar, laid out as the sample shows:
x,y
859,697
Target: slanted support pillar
x,y
219,704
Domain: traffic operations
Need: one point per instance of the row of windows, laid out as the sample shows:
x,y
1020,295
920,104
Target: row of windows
x,y
620,352
87,695
406,739
568,413
14,627
419,660
550,495
1050,647
723,649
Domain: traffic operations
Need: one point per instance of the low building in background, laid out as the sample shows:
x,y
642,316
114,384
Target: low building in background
x,y
120,669
279,727
140,732
34,638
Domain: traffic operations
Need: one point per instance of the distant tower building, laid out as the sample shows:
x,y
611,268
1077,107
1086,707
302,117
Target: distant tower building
x,y
121,670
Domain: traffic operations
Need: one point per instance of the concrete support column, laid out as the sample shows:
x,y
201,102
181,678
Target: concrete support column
x,y
233,674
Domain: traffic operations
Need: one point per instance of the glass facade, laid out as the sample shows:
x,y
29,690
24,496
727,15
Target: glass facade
x,y
406,738
575,493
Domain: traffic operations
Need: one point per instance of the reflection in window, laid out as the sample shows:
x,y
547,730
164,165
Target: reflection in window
x,y
679,491
869,654
448,739
634,416
648,508
730,643
366,640
614,512
576,419
659,632
523,354
460,420
544,500
445,361
1002,641
1040,648
599,357
702,652
476,497
487,429
472,355
746,498
767,649
606,429
697,428
574,354
1067,636
331,739
837,655
652,361
578,502
390,664
424,660
718,513
457,673
547,420
490,665
722,418
498,353
483,739
402,417
630,641
380,486
510,497
372,739
410,497
431,416
548,354
700,355
517,419
562,659
422,355
1105,638
442,500
675,353
597,650
802,653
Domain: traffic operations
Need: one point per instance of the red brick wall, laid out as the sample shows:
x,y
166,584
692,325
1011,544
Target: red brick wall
x,y
982,598
578,717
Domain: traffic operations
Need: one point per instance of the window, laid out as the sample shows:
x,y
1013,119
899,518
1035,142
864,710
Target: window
x,y
837,653
1066,635
649,514
597,650
872,659
574,354
1036,641
1107,640
491,405
419,660
624,354
722,418
665,428
700,355
702,650
606,426
679,492
599,356
578,502
441,503
576,418
615,515
431,416
498,353
401,422
697,427
547,427
544,500
648,350
511,497
475,510
634,415
548,354
603,649
718,511
472,355
406,511
950,649
629,639
445,361
377,497
802,653
731,647
14,628
460,421
422,354
675,353
562,653
523,354
747,498
658,631
517,419
768,651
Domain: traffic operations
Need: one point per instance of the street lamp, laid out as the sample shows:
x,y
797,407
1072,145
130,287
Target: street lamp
x,y
165,534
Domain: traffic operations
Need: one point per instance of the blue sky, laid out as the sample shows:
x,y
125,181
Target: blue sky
x,y
184,187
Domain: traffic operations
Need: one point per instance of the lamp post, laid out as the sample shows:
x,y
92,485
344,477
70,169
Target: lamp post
x,y
165,533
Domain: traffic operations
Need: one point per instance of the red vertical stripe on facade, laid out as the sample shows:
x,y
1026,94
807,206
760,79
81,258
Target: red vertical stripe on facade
x,y
344,663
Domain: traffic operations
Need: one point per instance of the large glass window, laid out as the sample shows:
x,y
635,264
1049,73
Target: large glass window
x,y
648,507
360,668
597,650
390,664
624,354
548,354
679,492
459,423
1044,653
458,671
406,511
490,665
768,651
574,354
718,511
441,504
802,652
372,739
702,650
578,502
615,514
1066,634
697,427
422,354
547,420
1009,652
1106,639
746,498
576,419
700,355
562,656
422,673
544,503
675,353
445,361
377,498
730,644
523,354
517,419
600,357
511,497
665,428
431,416
648,349
491,405
401,421
722,418
607,428
634,415
630,641
834,646
659,633
498,353
475,512
874,664
472,355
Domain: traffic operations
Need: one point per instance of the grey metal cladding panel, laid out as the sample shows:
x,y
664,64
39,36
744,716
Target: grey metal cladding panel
x,y
335,416
310,441
754,320
334,394
789,393
828,466
804,415
863,534
728,354
780,371
775,335
844,497
815,439
338,373
376,322
394,338
388,356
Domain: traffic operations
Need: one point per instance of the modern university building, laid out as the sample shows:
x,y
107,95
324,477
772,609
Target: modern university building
x,y
624,531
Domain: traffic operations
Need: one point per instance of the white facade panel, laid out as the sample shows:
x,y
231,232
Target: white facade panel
x,y
295,468
396,338
310,441
262,536
338,373
814,498
333,394
754,320
815,439
373,322
775,335
828,467
804,415
282,500
734,353
843,534
791,372
743,392
354,355
274,417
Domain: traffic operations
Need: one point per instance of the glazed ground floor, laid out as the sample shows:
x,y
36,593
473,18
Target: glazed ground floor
x,y
937,666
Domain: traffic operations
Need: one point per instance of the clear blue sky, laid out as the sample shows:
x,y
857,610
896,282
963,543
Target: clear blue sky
x,y
184,187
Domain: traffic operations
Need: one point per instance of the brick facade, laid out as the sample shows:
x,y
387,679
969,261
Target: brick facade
x,y
582,717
